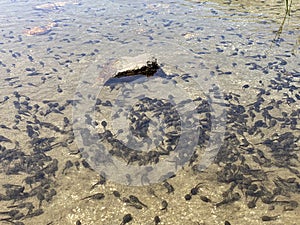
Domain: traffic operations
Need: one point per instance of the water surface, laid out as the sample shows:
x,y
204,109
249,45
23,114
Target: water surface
x,y
237,140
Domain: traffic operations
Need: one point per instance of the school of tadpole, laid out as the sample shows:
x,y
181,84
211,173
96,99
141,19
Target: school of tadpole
x,y
261,137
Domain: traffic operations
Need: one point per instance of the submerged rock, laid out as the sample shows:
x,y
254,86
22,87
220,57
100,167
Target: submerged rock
x,y
148,69
40,30
53,6
128,69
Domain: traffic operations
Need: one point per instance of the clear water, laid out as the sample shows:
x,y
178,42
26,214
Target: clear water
x,y
223,55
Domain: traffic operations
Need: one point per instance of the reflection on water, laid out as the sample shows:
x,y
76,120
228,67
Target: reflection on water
x,y
215,140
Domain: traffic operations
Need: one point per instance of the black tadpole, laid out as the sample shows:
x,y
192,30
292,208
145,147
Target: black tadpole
x,y
195,189
4,139
97,196
204,198
68,165
101,181
156,220
169,187
126,219
134,199
164,205
188,197
116,194
104,124
268,218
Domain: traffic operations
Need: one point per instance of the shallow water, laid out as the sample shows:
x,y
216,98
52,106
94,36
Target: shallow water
x,y
225,116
